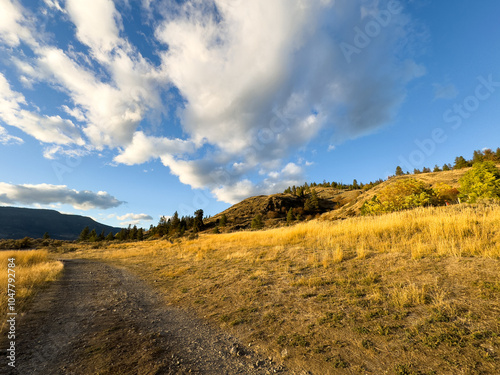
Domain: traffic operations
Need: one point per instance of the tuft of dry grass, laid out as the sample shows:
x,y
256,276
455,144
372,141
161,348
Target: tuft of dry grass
x,y
411,290
33,269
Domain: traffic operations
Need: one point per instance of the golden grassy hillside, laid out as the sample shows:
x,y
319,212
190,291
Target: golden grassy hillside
x,y
353,207
273,208
413,292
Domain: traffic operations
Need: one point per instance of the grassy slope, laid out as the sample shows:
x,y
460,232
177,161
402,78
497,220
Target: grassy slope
x,y
353,207
409,292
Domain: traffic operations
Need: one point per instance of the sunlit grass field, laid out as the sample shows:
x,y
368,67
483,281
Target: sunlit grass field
x,y
413,292
33,269
457,231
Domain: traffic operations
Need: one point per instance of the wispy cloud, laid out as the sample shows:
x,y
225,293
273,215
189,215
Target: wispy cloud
x,y
45,194
14,27
132,216
448,91
7,139
48,129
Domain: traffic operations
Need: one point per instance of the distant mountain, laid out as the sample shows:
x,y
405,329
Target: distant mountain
x,y
16,223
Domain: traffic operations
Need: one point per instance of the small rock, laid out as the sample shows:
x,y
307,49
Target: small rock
x,y
236,350
284,353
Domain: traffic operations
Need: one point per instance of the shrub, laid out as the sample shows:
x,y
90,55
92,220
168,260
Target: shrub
x,y
257,222
482,181
193,236
401,195
273,215
223,221
445,193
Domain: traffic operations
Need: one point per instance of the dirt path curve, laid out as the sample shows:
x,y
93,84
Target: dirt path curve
x,y
98,319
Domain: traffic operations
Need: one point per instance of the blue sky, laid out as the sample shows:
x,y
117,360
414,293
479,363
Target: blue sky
x,y
128,110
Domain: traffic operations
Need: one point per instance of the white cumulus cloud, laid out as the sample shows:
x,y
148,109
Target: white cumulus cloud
x,y
46,194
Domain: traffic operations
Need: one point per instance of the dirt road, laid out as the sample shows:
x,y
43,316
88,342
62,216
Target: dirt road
x,y
98,319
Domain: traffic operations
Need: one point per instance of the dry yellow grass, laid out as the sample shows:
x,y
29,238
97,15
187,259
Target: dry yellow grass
x,y
413,291
33,269
461,230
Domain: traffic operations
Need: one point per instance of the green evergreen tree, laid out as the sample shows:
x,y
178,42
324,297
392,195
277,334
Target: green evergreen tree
x,y
308,205
477,157
101,236
122,235
223,221
84,234
46,236
110,236
93,236
133,233
289,216
140,234
198,221
436,168
175,222
460,163
446,167
315,199
489,155
399,171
